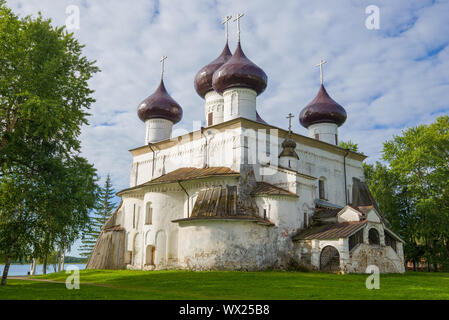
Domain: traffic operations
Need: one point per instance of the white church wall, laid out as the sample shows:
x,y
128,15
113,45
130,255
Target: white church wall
x,y
321,163
166,206
239,103
283,211
157,130
230,244
229,148
221,244
222,149
327,132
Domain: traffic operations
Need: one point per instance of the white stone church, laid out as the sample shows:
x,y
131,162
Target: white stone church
x,y
242,194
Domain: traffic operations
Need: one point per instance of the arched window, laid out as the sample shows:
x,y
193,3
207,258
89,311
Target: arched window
x,y
373,236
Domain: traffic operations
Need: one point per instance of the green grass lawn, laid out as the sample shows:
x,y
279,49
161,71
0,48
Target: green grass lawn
x,y
127,284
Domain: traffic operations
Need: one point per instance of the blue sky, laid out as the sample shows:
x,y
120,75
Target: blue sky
x,y
386,79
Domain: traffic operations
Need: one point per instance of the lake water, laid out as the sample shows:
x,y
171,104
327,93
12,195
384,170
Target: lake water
x,y
23,269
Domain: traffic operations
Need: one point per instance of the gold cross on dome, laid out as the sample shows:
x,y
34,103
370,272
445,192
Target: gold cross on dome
x,y
289,117
225,22
239,15
162,66
321,69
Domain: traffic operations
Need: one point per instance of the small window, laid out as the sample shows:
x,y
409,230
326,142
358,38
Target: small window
x,y
149,215
264,213
321,189
210,117
373,236
336,139
317,136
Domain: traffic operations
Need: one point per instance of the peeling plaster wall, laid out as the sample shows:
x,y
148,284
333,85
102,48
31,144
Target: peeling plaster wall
x,y
235,245
385,258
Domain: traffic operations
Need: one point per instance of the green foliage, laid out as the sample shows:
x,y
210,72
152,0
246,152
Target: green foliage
x,y
99,217
69,259
349,145
413,191
46,188
44,88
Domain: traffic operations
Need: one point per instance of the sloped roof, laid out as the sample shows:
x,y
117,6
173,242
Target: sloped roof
x,y
111,223
193,173
187,173
361,195
332,231
265,188
323,213
259,220
223,202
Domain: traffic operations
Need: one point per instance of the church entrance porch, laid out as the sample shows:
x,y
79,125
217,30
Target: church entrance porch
x,y
329,259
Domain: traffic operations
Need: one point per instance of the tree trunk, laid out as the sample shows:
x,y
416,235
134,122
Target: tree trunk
x,y
6,270
33,267
44,270
62,258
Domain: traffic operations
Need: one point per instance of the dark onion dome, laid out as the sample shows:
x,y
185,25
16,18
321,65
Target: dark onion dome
x,y
239,72
160,106
288,148
322,109
203,79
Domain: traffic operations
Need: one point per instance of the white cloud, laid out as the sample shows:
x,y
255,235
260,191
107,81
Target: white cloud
x,y
386,79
